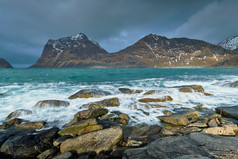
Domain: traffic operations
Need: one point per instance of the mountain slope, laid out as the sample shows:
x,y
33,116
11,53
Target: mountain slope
x,y
4,64
157,51
152,51
230,43
69,52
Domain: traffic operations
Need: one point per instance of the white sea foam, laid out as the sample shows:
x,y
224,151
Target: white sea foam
x,y
25,96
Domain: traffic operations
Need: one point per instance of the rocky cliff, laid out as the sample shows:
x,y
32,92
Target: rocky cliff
x,y
4,64
152,51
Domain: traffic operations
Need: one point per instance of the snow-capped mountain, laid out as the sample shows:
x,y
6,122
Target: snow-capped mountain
x,y
152,51
230,43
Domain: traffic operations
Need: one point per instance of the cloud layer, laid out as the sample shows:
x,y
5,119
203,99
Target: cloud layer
x,y
26,25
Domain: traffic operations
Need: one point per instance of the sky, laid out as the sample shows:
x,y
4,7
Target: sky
x,y
26,25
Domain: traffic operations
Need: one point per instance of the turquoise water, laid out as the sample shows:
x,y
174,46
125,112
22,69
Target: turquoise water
x,y
23,88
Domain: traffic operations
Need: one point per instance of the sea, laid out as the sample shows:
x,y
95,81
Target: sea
x,y
23,88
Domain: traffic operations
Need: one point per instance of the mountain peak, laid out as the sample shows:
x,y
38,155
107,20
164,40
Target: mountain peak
x,y
4,64
230,43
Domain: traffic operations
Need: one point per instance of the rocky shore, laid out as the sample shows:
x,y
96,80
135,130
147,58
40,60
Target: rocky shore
x,y
96,133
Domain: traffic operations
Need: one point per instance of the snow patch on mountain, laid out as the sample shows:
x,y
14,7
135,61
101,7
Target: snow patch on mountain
x,y
230,43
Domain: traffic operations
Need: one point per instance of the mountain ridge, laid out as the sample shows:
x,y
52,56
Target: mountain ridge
x,y
4,64
151,51
230,43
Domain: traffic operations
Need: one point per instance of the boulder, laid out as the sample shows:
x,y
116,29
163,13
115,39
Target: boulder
x,y
47,154
201,144
129,91
124,116
233,84
89,93
198,124
61,139
198,107
32,125
112,102
98,141
229,112
82,127
14,121
65,155
213,122
141,134
151,92
51,103
225,131
29,145
167,112
181,119
190,88
163,99
18,113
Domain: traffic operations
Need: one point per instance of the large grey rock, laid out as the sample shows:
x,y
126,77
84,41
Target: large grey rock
x,y
229,112
51,103
98,141
203,145
181,118
87,114
18,113
29,145
89,93
111,102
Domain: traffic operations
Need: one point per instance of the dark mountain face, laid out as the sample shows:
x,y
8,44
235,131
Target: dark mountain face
x,y
152,51
65,51
4,64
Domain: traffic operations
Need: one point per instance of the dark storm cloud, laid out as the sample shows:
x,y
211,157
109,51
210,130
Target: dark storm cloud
x,y
26,25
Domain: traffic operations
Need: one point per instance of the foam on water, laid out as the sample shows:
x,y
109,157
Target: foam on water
x,y
24,95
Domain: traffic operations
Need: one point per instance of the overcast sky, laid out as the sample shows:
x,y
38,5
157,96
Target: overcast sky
x,y
26,25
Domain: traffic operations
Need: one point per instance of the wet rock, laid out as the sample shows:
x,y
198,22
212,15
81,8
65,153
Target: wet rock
x,y
151,92
107,116
129,91
89,93
87,114
112,102
181,119
199,107
201,144
158,106
32,125
233,84
225,131
212,123
117,153
51,103
65,155
97,141
198,124
29,145
124,116
207,94
47,154
167,112
229,112
190,88
14,121
134,143
163,99
61,139
4,126
82,127
141,134
18,113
